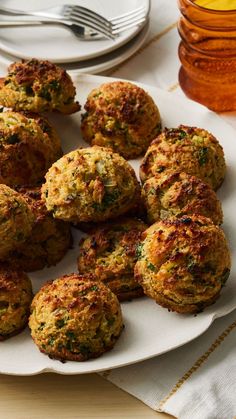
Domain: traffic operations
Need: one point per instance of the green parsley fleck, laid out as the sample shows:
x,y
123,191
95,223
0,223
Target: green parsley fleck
x,y
203,155
139,249
182,134
60,323
151,267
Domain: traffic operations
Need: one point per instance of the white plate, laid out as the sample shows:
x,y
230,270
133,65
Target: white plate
x,y
58,44
149,329
99,64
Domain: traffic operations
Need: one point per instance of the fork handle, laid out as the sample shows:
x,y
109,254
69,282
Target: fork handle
x,y
29,18
19,13
8,23
12,12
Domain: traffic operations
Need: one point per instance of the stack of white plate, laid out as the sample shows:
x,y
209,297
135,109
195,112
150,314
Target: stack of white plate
x,y
59,45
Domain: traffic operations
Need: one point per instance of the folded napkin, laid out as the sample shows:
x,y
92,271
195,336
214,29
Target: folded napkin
x,y
195,381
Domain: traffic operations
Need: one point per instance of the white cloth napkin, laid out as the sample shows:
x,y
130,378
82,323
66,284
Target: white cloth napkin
x,y
195,381
198,380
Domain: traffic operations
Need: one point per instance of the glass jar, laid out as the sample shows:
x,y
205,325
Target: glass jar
x,y
207,53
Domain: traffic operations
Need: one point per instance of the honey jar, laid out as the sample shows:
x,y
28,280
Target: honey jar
x,y
207,52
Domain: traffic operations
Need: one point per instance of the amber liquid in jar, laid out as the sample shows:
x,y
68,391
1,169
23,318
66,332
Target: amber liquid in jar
x,y
207,52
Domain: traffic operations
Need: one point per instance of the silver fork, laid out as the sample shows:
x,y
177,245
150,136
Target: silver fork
x,y
80,32
79,15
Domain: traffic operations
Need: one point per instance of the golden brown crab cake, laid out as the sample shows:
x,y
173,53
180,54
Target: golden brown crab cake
x,y
90,185
16,220
26,151
122,116
75,318
183,263
174,193
109,253
49,240
38,86
15,299
188,149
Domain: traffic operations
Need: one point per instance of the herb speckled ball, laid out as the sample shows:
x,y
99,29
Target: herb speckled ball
x,y
183,263
188,149
75,318
90,185
122,116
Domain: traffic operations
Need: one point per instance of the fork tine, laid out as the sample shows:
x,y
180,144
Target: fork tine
x,y
122,22
97,25
90,14
128,15
81,20
130,19
97,19
120,28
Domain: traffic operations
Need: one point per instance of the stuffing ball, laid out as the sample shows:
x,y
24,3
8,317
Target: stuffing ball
x,y
188,149
49,240
122,116
183,263
75,318
29,146
38,86
109,253
174,193
15,299
16,220
90,184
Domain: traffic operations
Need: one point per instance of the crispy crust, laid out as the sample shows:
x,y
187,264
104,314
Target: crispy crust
x,y
175,193
16,220
122,116
15,299
189,149
109,253
28,148
184,308
49,240
38,86
90,185
75,318
183,263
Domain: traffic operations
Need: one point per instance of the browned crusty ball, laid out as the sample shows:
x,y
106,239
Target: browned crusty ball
x,y
15,299
188,149
90,185
29,146
174,193
38,86
183,263
122,116
49,240
75,318
16,220
109,253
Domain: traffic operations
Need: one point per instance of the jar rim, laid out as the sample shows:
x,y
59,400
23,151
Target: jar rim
x,y
208,10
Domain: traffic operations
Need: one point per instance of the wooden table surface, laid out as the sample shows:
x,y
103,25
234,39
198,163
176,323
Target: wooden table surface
x,y
49,396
